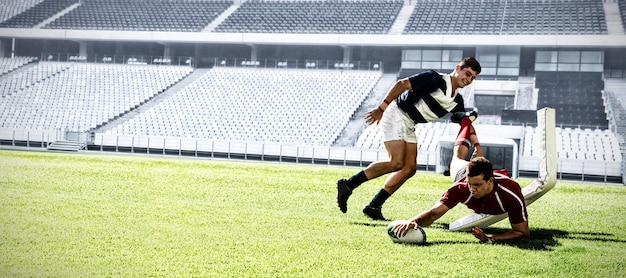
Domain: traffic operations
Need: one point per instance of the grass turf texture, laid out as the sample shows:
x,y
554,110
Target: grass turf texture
x,y
106,215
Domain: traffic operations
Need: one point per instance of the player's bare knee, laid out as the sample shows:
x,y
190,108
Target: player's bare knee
x,y
396,165
410,170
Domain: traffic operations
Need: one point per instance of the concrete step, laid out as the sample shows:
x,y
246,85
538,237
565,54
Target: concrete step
x,y
66,146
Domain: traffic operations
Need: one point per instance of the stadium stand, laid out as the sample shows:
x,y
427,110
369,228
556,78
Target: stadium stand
x,y
37,13
266,105
593,151
510,116
491,17
8,65
313,17
289,106
10,8
576,96
144,15
582,144
83,96
28,76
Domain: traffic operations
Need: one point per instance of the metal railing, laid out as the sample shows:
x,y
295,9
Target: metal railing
x,y
213,62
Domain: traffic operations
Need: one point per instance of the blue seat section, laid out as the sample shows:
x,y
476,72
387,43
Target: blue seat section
x,y
37,13
536,17
10,8
313,17
576,96
144,15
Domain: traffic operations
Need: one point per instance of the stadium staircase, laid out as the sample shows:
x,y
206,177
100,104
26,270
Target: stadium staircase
x,y
22,72
613,18
154,101
56,16
15,65
615,98
63,145
220,18
403,17
356,125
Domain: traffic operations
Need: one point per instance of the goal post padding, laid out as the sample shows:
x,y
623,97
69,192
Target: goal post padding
x,y
546,146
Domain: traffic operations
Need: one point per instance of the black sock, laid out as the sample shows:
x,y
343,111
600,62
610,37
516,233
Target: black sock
x,y
380,198
356,180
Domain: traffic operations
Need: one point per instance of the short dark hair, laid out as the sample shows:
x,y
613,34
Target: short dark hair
x,y
480,165
472,63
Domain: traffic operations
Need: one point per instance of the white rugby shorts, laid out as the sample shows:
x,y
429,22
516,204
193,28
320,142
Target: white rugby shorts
x,y
396,125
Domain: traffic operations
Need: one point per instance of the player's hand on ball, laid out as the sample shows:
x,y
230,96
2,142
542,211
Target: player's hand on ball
x,y
479,234
401,230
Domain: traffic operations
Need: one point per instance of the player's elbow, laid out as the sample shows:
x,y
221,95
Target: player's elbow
x,y
521,230
525,234
403,84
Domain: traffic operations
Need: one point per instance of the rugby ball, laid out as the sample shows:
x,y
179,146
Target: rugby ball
x,y
413,236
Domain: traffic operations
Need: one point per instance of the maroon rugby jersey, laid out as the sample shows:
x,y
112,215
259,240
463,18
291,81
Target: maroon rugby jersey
x,y
506,197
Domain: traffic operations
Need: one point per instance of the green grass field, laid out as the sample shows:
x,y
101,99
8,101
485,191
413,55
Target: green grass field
x,y
86,215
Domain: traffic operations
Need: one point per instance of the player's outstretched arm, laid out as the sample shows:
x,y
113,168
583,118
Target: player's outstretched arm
x,y
423,219
519,230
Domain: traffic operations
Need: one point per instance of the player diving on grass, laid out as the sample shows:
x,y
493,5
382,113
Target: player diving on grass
x,y
480,188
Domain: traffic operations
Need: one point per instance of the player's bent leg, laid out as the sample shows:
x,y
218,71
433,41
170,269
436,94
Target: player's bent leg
x,y
461,149
393,182
396,150
397,179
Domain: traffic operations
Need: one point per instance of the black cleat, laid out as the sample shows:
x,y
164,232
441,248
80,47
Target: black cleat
x,y
456,117
343,193
374,213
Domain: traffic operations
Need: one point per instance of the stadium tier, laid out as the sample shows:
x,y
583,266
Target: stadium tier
x,y
262,70
10,8
287,106
79,97
579,144
37,13
168,15
577,97
10,64
486,17
29,76
360,17
269,105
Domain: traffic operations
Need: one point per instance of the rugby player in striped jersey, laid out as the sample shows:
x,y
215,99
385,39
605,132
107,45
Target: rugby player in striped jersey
x,y
420,98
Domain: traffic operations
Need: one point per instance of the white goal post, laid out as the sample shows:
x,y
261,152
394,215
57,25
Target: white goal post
x,y
546,140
